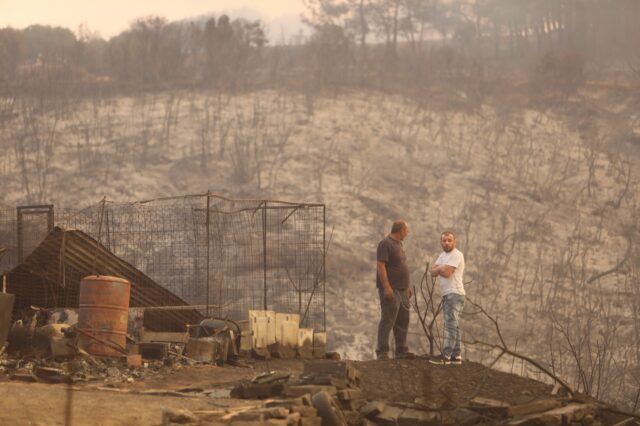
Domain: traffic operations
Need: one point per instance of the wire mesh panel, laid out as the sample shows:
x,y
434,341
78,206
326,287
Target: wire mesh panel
x,y
8,239
236,267
21,230
228,256
295,261
164,239
33,225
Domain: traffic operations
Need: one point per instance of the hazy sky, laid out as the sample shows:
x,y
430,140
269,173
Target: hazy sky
x,y
109,17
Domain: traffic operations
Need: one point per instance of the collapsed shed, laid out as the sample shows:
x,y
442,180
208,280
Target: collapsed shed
x,y
50,278
221,256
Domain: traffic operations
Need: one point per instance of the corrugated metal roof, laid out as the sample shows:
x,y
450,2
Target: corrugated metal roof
x,y
50,277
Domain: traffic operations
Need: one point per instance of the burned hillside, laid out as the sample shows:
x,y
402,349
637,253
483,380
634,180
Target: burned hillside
x,y
513,124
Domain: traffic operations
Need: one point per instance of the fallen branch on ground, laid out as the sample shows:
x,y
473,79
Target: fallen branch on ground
x,y
505,350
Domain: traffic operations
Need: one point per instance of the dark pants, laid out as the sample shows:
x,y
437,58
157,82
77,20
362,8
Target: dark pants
x,y
394,316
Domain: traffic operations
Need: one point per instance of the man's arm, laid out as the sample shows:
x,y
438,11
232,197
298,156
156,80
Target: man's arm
x,y
382,271
434,270
444,271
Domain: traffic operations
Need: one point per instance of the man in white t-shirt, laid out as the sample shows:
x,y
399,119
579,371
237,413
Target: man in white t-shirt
x,y
449,268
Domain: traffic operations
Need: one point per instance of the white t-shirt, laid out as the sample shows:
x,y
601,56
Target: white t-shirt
x,y
454,283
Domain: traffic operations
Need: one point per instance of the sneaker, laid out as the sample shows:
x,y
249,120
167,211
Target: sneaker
x,y
440,360
456,359
405,355
382,355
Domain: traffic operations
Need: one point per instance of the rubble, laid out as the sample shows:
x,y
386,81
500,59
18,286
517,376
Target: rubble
x,y
83,368
180,416
154,350
327,391
280,397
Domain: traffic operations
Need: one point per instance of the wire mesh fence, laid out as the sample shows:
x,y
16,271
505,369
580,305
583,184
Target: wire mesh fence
x,y
228,256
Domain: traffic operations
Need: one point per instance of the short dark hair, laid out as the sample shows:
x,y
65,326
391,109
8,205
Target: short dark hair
x,y
448,232
398,226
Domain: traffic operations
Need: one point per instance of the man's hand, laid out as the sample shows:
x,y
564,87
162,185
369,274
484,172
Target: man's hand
x,y
435,270
388,292
386,286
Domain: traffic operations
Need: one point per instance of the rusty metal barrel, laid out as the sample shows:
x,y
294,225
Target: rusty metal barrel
x,y
103,315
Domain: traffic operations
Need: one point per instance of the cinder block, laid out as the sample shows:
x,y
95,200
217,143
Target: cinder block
x,y
349,394
311,421
389,416
290,402
372,409
305,411
299,390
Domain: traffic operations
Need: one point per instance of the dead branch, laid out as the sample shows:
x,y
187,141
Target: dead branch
x,y
505,350
422,317
616,268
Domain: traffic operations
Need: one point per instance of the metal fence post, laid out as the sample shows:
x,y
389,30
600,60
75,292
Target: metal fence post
x,y
208,244
324,267
264,249
19,235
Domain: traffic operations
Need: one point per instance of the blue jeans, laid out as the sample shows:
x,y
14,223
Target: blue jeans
x,y
453,304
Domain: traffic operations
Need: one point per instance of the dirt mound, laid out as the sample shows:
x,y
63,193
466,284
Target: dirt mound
x,y
440,385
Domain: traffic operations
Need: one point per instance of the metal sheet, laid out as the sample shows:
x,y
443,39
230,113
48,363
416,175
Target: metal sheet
x,y
6,306
259,332
287,329
269,334
305,337
50,277
289,334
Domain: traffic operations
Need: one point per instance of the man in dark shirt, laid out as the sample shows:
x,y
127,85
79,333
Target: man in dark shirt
x,y
393,281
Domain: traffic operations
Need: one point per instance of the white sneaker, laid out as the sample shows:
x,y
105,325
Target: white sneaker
x,y
441,360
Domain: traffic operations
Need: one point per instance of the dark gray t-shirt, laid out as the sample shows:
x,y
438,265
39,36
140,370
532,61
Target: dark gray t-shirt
x,y
392,253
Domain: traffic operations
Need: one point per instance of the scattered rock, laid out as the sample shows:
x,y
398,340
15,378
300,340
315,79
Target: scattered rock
x,y
328,409
299,390
388,416
176,415
490,407
271,377
372,409
466,417
411,417
349,394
